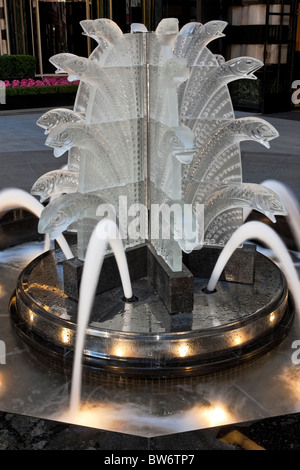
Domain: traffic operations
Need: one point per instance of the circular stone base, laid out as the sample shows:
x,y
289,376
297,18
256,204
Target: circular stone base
x,y
236,323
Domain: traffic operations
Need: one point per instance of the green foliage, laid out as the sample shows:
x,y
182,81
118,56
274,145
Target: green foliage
x,y
17,67
246,92
41,90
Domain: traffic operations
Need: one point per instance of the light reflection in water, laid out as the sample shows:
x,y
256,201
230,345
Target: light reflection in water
x,y
289,381
131,419
216,415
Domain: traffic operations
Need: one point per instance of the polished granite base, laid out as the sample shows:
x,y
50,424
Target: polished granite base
x,y
167,411
226,328
24,433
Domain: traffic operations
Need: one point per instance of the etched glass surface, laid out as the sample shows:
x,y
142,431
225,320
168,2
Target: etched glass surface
x,y
153,128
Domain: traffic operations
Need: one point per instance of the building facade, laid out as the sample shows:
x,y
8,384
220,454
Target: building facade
x,y
265,29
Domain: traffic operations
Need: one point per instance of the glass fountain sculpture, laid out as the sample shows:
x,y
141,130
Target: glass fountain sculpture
x,y
153,127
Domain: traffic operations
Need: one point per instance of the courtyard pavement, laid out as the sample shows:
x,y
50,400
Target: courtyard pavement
x,y
24,156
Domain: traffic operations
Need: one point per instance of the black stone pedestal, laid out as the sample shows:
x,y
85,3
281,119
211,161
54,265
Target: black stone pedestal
x,y
176,289
239,268
239,322
109,277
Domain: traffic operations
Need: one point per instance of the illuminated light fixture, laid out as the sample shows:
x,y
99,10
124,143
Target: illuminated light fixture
x,y
31,317
65,336
237,341
119,351
272,317
2,291
183,350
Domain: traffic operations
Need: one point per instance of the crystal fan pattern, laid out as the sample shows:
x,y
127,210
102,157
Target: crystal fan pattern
x,y
153,128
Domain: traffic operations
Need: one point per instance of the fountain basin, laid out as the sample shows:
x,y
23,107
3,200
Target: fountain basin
x,y
237,323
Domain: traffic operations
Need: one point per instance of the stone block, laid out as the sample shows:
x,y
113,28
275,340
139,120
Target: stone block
x,y
176,289
109,277
240,267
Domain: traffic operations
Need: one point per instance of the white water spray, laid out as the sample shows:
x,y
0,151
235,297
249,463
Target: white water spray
x,y
259,231
12,198
291,204
105,232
